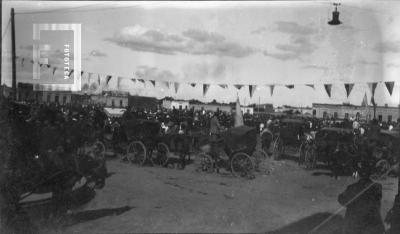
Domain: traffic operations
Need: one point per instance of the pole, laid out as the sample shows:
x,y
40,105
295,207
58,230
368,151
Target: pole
x,y
1,43
14,75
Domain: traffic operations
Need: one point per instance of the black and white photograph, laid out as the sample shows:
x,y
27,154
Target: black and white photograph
x,y
278,117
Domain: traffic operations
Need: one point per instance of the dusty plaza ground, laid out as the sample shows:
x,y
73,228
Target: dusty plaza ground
x,y
287,200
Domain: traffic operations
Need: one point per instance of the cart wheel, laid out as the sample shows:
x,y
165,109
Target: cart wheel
x,y
381,170
160,155
278,148
206,163
136,153
99,151
242,165
310,157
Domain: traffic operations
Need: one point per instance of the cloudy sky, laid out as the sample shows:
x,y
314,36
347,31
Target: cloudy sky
x,y
256,43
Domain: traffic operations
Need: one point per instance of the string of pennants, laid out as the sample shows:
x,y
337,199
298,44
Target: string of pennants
x,y
251,87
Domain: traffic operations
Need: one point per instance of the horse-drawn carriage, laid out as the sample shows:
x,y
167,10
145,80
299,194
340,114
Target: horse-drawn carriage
x,y
333,146
291,132
144,136
341,149
47,158
238,149
386,151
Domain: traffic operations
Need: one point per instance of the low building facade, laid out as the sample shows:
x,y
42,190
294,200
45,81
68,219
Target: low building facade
x,y
177,104
111,99
346,111
211,107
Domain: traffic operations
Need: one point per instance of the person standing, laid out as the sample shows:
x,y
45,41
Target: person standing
x,y
215,129
363,202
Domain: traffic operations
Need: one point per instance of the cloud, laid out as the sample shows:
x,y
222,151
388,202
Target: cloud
x,y
388,47
393,65
318,67
55,57
259,30
364,62
300,41
297,47
153,73
97,53
202,71
281,56
191,41
294,28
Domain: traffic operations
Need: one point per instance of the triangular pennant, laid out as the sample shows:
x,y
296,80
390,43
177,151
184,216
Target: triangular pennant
x,y
48,65
328,88
373,100
224,86
85,87
311,86
153,82
72,71
348,88
289,86
252,88
372,87
389,86
166,84
364,101
193,85
237,86
271,89
108,78
54,70
93,87
176,86
205,88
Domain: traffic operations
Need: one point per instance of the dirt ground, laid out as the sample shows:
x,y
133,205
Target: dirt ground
x,y
288,199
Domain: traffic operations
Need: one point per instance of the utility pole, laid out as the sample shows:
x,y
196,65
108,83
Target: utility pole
x,y
14,72
1,44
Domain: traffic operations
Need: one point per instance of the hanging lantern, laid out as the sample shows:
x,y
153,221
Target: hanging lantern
x,y
335,16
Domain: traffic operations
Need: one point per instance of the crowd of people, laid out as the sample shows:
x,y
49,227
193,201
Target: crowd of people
x,y
56,128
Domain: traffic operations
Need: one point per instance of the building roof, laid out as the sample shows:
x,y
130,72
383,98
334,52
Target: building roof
x,y
349,105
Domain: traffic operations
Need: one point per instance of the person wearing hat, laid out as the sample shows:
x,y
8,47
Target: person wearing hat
x,y
215,129
363,202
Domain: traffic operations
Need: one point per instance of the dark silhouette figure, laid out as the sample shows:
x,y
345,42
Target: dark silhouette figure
x,y
393,217
363,202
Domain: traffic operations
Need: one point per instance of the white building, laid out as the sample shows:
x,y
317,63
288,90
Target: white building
x,y
111,99
247,109
177,104
340,111
211,107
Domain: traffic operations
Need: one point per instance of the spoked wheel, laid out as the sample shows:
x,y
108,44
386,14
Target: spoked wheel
x,y
310,158
136,153
242,165
206,163
278,148
160,155
381,170
99,151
